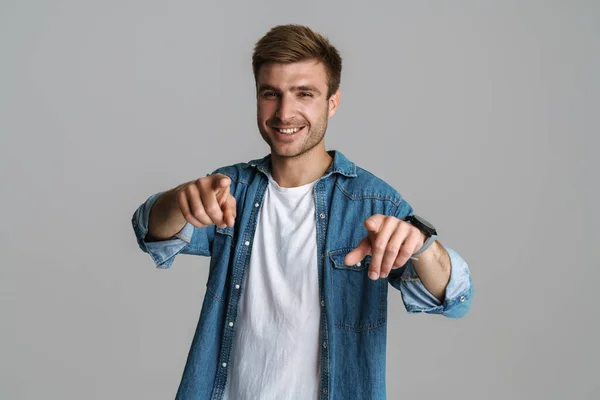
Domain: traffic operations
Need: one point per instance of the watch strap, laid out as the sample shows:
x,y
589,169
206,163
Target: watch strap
x,y
427,244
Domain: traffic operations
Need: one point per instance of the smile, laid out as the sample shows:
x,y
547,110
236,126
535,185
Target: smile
x,y
288,131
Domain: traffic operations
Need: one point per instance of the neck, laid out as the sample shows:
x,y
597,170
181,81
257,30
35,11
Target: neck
x,y
302,169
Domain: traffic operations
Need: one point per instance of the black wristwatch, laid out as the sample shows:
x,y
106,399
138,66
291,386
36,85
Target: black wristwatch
x,y
424,226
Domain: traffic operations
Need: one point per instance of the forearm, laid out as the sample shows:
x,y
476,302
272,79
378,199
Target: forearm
x,y
165,218
433,267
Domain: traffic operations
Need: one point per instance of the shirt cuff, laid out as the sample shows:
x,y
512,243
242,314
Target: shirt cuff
x,y
459,290
162,252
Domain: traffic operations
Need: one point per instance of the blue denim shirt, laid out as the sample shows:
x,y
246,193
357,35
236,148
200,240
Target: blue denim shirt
x,y
354,308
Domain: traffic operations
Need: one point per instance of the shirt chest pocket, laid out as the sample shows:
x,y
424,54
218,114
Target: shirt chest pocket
x,y
360,304
222,251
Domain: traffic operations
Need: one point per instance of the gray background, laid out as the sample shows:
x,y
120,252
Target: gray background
x,y
484,115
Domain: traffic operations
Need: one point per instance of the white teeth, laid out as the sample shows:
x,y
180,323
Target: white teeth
x,y
289,131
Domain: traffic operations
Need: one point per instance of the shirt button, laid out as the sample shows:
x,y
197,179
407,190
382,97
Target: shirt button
x,y
224,365
247,243
324,390
231,324
324,345
462,299
256,205
322,215
358,264
237,286
322,303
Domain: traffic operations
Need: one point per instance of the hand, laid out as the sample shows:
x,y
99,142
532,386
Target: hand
x,y
207,201
391,242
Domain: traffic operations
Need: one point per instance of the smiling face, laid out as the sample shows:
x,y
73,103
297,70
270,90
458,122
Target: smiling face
x,y
293,108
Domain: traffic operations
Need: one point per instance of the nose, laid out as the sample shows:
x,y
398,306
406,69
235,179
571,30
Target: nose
x,y
285,109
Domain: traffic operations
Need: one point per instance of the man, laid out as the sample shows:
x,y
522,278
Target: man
x,y
303,244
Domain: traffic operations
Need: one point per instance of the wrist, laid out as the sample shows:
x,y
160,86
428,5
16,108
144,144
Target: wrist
x,y
427,243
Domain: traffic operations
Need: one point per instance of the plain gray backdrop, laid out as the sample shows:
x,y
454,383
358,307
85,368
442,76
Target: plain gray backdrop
x,y
484,115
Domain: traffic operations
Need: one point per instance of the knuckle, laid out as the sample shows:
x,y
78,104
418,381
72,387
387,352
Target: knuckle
x,y
198,214
187,215
405,252
202,183
213,209
404,226
189,191
415,232
379,246
392,250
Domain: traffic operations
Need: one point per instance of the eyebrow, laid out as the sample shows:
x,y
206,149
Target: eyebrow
x,y
301,88
305,88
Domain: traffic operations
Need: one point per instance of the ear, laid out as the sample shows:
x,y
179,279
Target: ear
x,y
333,102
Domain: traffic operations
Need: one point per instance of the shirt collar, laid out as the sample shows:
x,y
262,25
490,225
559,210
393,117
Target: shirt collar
x,y
340,165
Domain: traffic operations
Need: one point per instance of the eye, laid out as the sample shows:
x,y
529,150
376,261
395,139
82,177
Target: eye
x,y
269,94
305,94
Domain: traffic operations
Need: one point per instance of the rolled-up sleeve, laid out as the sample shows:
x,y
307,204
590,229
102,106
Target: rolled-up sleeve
x,y
189,240
459,290
417,298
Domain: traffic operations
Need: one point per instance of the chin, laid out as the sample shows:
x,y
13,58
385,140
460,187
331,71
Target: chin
x,y
285,153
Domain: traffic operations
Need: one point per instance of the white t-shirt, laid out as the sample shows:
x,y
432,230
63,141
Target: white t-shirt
x,y
276,343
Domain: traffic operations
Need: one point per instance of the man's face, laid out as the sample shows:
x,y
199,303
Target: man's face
x,y
292,106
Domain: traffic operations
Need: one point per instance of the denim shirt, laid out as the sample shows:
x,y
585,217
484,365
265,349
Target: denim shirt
x,y
353,307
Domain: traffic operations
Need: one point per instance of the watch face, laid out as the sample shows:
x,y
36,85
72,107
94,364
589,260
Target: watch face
x,y
425,222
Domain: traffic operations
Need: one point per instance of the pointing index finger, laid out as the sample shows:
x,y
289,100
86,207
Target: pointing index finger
x,y
359,252
373,223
